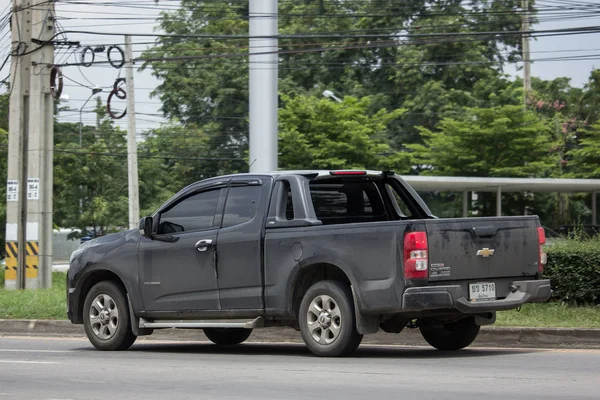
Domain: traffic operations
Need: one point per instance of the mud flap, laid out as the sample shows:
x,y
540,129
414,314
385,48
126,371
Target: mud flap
x,y
365,324
135,322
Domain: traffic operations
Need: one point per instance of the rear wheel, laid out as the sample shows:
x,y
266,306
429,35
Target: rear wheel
x,y
327,320
450,336
106,317
227,336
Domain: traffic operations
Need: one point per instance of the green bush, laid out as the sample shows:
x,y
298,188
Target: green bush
x,y
574,270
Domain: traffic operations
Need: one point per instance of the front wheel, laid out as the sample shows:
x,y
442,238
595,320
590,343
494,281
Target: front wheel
x,y
450,336
227,336
327,320
106,317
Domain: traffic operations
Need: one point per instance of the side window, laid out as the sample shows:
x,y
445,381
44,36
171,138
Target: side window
x,y
241,205
399,204
193,213
329,202
347,202
289,202
368,209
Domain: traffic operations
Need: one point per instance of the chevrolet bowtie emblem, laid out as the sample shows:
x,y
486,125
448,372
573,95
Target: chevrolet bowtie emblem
x,y
485,252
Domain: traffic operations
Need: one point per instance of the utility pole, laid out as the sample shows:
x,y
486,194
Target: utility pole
x,y
132,161
16,188
41,142
263,85
29,186
526,52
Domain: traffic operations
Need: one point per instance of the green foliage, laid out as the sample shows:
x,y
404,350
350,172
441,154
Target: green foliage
x,y
586,158
496,141
319,133
460,115
175,156
90,182
501,141
574,270
207,94
428,78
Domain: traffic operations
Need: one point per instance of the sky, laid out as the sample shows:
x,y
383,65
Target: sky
x,y
80,80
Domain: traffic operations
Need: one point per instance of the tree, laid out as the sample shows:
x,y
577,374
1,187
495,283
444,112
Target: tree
x,y
90,182
586,159
318,133
429,76
589,109
205,92
501,141
175,156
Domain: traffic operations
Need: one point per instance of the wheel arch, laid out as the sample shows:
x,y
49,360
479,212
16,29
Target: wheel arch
x,y
91,278
311,271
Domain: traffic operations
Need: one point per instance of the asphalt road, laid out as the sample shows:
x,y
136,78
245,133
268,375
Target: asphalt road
x,y
49,368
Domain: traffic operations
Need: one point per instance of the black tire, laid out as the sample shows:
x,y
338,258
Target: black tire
x,y
227,336
117,331
451,336
335,330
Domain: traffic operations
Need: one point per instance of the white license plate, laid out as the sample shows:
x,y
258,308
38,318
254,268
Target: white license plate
x,y
482,291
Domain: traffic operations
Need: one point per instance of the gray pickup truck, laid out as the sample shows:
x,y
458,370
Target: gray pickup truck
x,y
333,254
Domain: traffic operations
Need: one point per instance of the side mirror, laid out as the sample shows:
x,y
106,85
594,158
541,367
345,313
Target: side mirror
x,y
145,227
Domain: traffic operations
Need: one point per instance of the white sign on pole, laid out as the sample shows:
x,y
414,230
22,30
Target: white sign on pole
x,y
33,188
12,190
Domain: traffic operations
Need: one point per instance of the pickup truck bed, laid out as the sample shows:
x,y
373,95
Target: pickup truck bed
x,y
335,254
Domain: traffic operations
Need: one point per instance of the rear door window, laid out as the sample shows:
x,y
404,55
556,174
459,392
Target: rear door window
x,y
347,202
241,205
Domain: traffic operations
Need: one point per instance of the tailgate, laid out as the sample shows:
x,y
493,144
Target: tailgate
x,y
481,248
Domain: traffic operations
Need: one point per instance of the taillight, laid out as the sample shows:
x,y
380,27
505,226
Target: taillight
x,y
542,241
415,255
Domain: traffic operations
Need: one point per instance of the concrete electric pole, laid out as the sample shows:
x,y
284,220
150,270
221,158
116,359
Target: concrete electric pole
x,y
263,85
526,52
132,160
29,183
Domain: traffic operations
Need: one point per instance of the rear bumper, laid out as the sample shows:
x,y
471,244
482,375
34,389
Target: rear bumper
x,y
452,297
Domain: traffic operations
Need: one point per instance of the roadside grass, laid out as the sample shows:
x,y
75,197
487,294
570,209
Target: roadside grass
x,y
51,304
35,304
551,315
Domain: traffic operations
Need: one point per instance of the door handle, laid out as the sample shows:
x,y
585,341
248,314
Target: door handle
x,y
203,244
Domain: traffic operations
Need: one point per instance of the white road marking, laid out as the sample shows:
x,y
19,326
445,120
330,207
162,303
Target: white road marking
x,y
27,362
36,351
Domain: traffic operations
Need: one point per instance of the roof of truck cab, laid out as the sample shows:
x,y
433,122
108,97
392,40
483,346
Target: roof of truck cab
x,y
457,183
319,173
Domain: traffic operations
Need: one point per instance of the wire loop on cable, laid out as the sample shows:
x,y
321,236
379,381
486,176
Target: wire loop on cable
x,y
111,61
83,54
117,84
120,93
56,88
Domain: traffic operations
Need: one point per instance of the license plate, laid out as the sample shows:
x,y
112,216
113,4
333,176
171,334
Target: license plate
x,y
482,291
